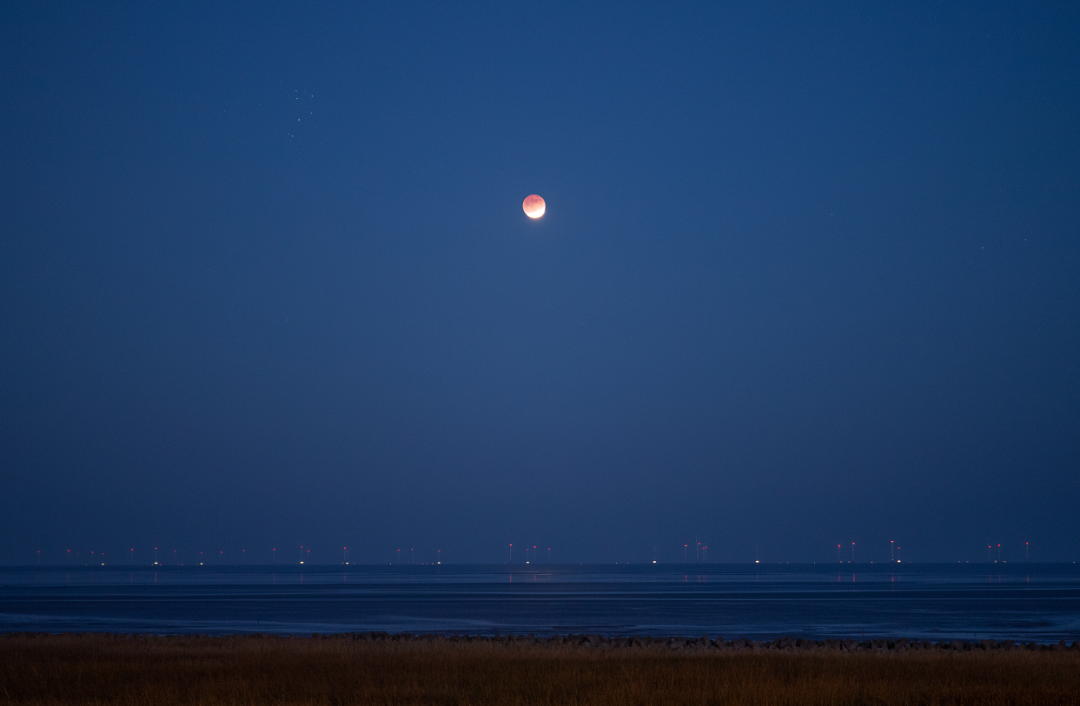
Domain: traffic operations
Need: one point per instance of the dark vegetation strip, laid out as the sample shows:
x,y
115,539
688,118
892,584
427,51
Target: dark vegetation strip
x,y
376,668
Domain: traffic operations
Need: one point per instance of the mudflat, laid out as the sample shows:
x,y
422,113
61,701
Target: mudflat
x,y
383,669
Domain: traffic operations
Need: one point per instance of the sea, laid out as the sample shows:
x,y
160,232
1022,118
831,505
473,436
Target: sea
x,y
1024,602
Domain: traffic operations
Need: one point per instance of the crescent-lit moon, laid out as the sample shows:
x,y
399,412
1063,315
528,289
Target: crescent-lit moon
x,y
533,206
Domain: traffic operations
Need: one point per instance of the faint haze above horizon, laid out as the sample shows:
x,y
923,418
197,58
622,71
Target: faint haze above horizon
x,y
323,556
807,276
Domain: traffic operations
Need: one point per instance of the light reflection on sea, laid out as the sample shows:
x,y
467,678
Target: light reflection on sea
x,y
1038,602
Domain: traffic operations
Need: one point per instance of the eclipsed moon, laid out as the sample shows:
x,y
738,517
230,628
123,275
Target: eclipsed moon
x,y
534,206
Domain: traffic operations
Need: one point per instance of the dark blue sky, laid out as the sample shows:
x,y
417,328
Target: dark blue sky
x,y
808,276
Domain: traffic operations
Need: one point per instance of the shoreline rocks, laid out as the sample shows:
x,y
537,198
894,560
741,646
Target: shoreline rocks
x,y
678,643
788,644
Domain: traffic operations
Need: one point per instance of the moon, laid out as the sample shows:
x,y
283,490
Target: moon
x,y
533,206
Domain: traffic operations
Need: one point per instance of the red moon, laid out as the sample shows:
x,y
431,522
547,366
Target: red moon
x,y
534,206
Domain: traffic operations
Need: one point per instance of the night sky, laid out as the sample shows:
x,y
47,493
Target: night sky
x,y
809,275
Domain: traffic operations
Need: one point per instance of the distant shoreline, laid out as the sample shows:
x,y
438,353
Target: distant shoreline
x,y
593,641
541,567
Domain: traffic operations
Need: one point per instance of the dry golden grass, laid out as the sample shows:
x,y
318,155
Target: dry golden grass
x,y
107,669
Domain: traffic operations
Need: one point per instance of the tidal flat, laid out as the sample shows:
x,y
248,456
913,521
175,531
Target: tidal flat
x,y
376,668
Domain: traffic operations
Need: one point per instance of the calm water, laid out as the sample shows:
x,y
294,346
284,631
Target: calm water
x,y
1020,601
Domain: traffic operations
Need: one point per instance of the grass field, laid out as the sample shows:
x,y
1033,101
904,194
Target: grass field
x,y
112,669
